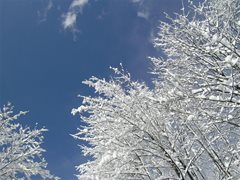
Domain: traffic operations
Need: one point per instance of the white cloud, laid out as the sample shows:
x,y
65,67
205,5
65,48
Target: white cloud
x,y
137,1
143,8
44,13
78,4
142,14
69,19
76,7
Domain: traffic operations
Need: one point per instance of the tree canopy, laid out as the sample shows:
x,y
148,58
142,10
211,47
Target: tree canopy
x,y
20,148
187,126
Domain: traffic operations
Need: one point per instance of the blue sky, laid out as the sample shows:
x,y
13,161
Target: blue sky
x,y
42,64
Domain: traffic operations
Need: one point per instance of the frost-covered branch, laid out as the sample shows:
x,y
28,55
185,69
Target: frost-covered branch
x,y
20,148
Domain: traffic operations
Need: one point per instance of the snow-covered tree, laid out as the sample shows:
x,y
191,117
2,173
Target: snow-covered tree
x,y
188,125
202,74
20,149
121,126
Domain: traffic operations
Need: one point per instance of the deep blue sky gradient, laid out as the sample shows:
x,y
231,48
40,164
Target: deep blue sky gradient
x,y
42,65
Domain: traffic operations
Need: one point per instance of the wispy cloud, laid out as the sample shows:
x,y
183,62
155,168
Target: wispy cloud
x,y
76,8
70,18
143,14
137,1
44,13
144,8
